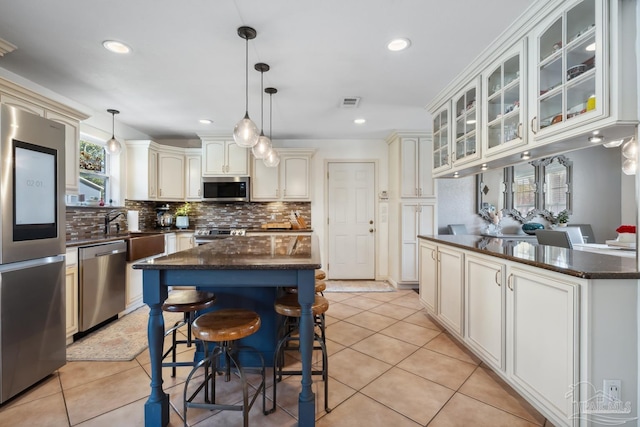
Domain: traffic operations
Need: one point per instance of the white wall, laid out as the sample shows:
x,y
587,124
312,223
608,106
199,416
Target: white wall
x,y
355,150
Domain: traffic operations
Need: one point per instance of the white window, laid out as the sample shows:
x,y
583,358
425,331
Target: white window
x,y
94,170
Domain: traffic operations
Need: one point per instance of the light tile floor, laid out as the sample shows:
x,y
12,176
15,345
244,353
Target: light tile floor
x,y
389,365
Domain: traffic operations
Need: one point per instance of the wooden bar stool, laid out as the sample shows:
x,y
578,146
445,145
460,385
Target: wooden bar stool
x,y
320,275
186,302
289,307
224,327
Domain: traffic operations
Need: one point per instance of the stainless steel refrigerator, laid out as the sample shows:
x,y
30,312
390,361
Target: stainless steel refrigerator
x,y
32,247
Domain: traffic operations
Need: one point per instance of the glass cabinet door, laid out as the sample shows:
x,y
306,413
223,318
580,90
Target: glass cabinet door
x,y
503,98
441,140
466,143
567,59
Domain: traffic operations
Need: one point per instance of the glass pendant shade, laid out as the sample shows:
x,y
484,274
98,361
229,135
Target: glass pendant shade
x,y
246,133
113,145
262,148
630,149
272,160
629,167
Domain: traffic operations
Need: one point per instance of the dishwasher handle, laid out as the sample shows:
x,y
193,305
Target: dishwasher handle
x,y
107,253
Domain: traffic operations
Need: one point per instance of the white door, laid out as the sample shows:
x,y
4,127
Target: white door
x,y
351,221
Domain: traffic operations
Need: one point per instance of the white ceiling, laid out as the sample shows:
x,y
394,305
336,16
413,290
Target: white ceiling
x,y
188,62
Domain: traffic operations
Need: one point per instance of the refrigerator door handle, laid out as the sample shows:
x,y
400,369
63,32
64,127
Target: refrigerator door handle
x,y
30,263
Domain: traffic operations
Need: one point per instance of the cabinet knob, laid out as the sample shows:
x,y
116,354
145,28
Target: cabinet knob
x,y
370,221
371,230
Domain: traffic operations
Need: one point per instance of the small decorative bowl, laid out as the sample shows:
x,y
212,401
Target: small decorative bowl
x,y
531,227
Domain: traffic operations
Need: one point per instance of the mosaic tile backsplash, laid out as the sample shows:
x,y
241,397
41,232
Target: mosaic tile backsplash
x,y
88,222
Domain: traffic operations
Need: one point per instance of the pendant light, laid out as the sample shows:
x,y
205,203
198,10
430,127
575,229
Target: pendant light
x,y
263,147
272,158
245,132
113,145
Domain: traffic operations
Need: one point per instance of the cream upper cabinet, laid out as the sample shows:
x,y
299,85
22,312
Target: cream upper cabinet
x,y
442,139
193,174
23,99
289,181
171,175
466,108
504,102
220,157
415,168
142,170
72,149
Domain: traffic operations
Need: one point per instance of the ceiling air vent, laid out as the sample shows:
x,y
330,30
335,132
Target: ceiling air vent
x,y
350,102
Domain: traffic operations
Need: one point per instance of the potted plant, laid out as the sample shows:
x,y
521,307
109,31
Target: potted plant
x,y
182,215
562,218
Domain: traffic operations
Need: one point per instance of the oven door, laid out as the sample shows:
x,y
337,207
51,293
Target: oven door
x,y
31,186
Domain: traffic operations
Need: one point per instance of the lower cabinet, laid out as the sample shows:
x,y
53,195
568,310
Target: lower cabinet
x,y
450,288
543,338
428,266
71,293
170,243
184,241
485,309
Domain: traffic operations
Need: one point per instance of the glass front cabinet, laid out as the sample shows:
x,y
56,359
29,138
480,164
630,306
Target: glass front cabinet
x,y
569,68
466,124
504,103
441,140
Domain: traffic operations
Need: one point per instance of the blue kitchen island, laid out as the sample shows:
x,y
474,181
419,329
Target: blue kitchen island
x,y
234,266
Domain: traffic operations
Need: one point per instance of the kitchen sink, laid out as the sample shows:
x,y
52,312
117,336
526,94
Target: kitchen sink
x,y
143,245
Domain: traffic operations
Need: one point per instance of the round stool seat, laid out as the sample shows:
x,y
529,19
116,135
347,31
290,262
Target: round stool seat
x,y
189,300
320,275
320,287
288,305
228,324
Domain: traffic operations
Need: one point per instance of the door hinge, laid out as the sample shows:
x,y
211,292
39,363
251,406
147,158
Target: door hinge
x,y
327,176
327,221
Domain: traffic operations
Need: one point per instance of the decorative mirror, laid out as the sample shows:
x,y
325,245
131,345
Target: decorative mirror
x,y
491,192
523,190
556,185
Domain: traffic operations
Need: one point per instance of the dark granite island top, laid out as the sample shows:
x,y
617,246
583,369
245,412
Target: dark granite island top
x,y
245,253
575,263
240,270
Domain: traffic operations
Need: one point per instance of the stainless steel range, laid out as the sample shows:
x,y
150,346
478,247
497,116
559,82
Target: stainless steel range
x,y
206,235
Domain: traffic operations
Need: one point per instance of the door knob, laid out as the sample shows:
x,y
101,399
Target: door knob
x,y
371,222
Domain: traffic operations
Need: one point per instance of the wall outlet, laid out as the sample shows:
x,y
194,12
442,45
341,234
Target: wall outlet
x,y
611,389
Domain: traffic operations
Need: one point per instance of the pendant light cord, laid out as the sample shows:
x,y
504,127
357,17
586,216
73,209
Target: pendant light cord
x,y
270,115
113,125
246,76
262,101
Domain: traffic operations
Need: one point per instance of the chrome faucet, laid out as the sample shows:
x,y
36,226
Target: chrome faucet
x,y
108,220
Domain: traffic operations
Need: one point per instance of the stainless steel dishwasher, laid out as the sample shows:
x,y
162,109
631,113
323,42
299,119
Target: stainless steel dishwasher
x,y
102,282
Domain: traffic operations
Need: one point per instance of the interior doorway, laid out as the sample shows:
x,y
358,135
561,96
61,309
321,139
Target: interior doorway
x,y
351,220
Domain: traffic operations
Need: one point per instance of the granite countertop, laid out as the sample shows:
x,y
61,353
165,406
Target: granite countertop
x,y
587,265
244,253
122,236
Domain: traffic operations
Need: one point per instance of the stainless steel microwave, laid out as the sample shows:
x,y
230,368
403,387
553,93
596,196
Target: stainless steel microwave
x,y
225,189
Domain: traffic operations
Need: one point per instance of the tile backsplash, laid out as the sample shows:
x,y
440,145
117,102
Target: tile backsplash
x,y
88,222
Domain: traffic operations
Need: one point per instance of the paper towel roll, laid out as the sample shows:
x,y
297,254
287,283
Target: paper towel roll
x,y
132,221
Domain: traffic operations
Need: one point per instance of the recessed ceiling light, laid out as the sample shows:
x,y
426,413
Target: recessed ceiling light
x,y
116,46
360,121
205,121
397,45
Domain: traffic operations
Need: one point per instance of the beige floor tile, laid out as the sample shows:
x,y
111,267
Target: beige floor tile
x,y
409,394
106,394
181,371
338,296
46,387
409,301
384,296
394,311
346,333
355,369
362,302
463,411
421,318
256,418
289,390
74,374
328,320
129,415
375,322
143,358
387,349
485,386
342,311
446,344
437,367
360,410
408,332
48,411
